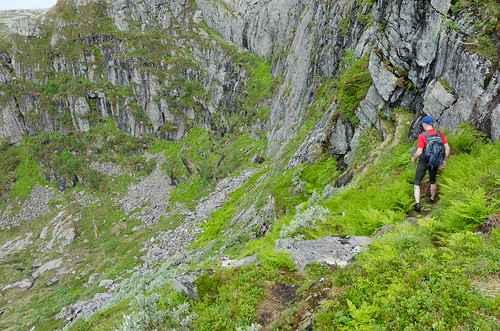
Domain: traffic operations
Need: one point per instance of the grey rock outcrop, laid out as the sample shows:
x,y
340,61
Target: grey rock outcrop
x,y
10,17
54,264
185,282
438,53
25,283
317,138
437,99
27,27
154,13
11,124
18,244
260,26
81,308
64,232
34,207
339,251
252,217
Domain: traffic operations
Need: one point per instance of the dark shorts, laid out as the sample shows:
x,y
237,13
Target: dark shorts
x,y
421,169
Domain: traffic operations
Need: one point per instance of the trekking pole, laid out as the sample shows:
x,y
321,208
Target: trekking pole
x,y
412,165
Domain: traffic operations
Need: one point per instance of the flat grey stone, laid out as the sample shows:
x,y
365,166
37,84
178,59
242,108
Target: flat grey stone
x,y
331,250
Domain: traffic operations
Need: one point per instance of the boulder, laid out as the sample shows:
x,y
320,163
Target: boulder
x,y
383,230
54,264
437,99
185,282
485,228
331,250
64,232
21,284
107,283
384,81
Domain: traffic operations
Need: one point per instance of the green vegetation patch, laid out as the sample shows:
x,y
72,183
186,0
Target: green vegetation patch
x,y
9,161
220,220
353,85
484,17
404,282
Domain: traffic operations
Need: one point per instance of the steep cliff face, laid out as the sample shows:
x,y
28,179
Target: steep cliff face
x,y
432,55
415,48
154,68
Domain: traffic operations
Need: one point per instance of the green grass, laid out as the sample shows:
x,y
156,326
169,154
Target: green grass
x,y
233,301
401,282
9,161
27,174
404,282
218,223
470,187
484,21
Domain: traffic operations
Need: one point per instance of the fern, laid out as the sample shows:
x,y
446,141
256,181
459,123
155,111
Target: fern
x,y
470,211
466,138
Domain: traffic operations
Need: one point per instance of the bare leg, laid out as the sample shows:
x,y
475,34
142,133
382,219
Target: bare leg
x,y
433,191
416,192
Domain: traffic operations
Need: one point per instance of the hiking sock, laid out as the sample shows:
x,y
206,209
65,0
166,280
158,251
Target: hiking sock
x,y
417,207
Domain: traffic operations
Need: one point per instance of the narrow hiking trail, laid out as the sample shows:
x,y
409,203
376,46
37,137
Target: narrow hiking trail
x,y
394,136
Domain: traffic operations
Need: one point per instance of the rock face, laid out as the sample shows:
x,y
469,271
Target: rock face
x,y
18,244
406,71
185,282
144,95
338,251
54,264
64,231
433,74
437,55
260,26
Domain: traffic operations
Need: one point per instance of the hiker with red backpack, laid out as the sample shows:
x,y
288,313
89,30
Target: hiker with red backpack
x,y
435,150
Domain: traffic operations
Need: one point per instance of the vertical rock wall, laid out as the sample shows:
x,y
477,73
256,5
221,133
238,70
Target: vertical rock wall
x,y
414,40
135,61
417,62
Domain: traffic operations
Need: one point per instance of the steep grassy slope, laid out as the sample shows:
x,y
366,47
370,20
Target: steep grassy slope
x,y
435,274
424,273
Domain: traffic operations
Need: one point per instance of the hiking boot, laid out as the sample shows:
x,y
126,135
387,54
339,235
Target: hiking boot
x,y
417,207
431,201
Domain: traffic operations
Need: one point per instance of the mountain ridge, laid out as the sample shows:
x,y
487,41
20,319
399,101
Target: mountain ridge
x,y
145,140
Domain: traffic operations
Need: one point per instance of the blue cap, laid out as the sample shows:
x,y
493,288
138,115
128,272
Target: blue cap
x,y
427,120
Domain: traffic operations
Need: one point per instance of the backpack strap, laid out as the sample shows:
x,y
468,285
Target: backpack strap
x,y
427,134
